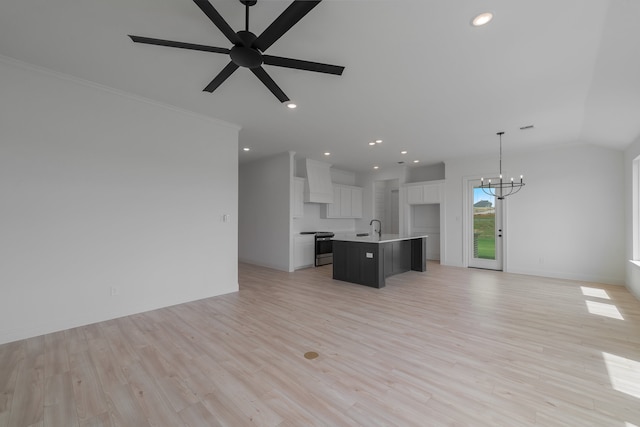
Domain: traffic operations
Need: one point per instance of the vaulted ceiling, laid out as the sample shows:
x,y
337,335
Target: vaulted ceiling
x,y
418,75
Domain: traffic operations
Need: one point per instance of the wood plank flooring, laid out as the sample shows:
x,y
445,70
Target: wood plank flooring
x,y
448,347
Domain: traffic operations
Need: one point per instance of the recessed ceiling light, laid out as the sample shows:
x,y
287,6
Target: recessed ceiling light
x,y
327,153
403,152
376,167
482,19
378,141
372,143
246,149
416,161
292,105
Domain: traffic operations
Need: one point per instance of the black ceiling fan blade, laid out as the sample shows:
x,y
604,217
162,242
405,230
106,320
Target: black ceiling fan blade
x,y
283,23
221,77
218,20
270,84
181,45
298,64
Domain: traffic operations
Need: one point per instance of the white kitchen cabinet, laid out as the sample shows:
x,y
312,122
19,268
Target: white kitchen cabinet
x,y
356,203
415,195
347,202
332,210
431,193
304,251
298,197
424,193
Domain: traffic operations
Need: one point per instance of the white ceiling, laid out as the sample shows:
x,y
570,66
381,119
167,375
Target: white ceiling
x,y
418,75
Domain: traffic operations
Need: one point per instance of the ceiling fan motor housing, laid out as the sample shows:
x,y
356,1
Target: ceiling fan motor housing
x,y
243,54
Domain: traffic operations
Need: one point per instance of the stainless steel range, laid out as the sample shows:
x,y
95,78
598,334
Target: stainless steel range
x,y
323,247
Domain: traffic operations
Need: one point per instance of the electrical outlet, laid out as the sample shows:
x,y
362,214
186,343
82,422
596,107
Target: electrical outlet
x,y
114,291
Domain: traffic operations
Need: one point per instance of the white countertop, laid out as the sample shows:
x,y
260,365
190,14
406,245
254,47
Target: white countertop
x,y
373,238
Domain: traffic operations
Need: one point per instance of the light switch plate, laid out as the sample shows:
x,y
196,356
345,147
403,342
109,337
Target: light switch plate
x,y
369,254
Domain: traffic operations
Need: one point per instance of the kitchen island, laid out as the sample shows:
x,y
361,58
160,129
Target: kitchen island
x,y
368,259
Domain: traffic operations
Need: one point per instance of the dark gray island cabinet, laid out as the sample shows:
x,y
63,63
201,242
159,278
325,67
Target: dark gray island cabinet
x,y
369,260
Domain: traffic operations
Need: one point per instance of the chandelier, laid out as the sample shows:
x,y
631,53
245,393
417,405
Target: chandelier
x,y
499,188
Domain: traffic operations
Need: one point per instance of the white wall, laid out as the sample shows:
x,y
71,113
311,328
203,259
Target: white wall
x,y
98,190
265,211
567,222
343,177
632,269
426,173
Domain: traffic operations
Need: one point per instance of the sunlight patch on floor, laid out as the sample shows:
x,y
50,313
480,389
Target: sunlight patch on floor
x,y
624,374
603,309
594,292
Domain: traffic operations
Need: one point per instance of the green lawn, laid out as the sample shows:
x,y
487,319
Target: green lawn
x,y
484,225
487,248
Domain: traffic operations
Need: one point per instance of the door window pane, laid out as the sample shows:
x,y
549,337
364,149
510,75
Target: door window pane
x,y
484,225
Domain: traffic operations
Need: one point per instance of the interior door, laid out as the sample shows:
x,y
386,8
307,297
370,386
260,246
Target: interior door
x,y
485,236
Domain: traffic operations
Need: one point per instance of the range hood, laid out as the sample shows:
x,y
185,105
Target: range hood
x,y
318,187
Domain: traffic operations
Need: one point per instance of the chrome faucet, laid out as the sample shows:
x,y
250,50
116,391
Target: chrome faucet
x,y
379,228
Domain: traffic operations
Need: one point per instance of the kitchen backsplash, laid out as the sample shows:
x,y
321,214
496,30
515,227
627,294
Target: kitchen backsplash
x,y
313,222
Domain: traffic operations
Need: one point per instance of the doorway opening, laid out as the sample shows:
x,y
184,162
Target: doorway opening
x,y
387,205
485,231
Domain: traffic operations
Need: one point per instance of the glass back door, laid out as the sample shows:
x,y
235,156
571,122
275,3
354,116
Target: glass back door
x,y
485,239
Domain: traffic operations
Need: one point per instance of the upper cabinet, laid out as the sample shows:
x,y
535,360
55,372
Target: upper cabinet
x,y
356,202
298,197
424,193
332,210
347,202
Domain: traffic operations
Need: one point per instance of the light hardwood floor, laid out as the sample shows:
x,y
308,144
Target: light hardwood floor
x,y
451,346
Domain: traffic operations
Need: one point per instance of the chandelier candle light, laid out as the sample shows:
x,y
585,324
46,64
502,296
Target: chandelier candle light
x,y
501,189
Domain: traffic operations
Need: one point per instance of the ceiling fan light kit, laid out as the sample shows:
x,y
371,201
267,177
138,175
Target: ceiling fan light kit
x,y
247,50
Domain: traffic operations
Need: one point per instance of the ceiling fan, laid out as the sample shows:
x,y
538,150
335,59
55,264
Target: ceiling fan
x,y
247,50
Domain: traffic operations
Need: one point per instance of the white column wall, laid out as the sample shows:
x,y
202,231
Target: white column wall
x,y
104,193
